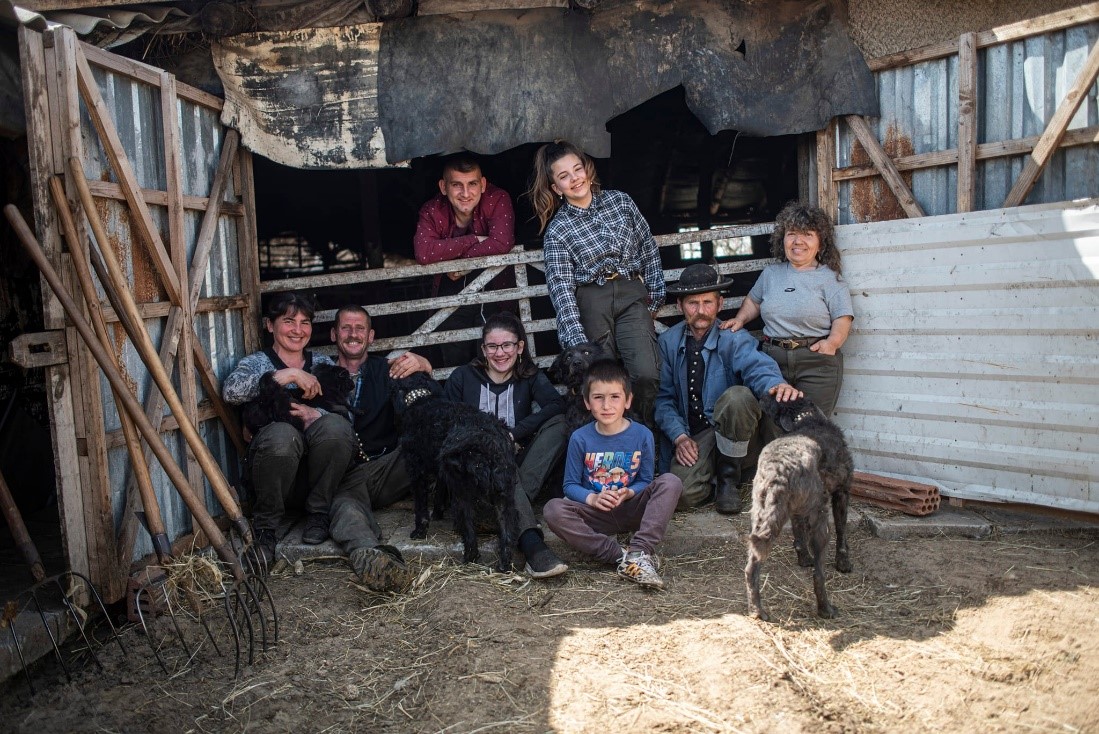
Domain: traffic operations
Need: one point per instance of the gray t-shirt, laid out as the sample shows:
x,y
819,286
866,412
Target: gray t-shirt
x,y
800,303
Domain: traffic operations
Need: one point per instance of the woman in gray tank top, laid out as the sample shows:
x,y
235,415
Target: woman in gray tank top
x,y
805,304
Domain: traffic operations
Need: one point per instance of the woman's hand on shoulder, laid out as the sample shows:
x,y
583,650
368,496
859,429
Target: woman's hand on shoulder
x,y
733,324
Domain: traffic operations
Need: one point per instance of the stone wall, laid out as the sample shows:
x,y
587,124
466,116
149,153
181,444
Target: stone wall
x,y
882,27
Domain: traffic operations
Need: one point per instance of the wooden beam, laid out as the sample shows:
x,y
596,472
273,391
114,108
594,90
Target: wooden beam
x,y
826,161
1012,32
111,190
985,151
1055,130
448,7
248,252
967,120
148,74
885,166
142,218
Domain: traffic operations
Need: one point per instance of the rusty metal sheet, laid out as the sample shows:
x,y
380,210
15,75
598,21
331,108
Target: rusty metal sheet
x,y
307,98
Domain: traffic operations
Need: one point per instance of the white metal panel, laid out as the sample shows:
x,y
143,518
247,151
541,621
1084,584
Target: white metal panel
x,y
974,358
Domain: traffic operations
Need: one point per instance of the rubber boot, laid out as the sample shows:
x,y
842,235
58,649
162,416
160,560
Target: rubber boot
x,y
727,492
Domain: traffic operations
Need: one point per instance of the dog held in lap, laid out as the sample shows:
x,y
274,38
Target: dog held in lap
x,y
568,369
798,477
272,405
469,454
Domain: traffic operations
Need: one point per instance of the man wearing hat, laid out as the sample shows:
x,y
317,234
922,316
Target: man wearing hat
x,y
707,407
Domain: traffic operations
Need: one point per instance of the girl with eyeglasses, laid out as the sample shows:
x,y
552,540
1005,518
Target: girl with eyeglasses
x,y
505,382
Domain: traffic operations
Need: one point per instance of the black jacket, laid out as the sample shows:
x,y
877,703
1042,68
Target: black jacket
x,y
464,386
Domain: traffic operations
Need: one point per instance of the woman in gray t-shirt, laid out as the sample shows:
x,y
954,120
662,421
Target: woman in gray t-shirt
x,y
805,304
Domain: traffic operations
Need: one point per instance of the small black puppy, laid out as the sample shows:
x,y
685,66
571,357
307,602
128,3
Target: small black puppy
x,y
469,454
798,477
569,369
272,405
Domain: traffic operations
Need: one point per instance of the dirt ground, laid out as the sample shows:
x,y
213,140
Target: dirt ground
x,y
933,635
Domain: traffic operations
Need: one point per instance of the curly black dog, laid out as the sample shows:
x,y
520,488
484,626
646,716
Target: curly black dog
x,y
272,405
568,369
470,456
798,476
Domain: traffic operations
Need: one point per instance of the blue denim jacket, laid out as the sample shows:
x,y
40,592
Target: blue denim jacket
x,y
731,358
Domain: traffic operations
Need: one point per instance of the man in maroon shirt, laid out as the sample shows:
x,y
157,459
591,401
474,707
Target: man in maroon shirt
x,y
469,218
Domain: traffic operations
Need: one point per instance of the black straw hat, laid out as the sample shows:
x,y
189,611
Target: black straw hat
x,y
699,278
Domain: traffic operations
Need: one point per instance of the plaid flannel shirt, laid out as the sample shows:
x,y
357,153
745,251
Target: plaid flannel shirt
x,y
583,246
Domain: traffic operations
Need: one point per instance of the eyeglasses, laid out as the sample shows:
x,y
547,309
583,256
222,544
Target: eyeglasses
x,y
505,347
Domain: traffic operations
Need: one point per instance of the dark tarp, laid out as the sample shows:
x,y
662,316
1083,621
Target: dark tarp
x,y
487,82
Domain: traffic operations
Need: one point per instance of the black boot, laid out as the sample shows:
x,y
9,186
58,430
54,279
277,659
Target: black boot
x,y
727,493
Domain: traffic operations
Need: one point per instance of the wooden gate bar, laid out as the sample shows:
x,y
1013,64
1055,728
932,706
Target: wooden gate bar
x,y
967,120
885,166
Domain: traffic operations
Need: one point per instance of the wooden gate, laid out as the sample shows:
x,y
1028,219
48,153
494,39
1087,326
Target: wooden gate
x,y
174,191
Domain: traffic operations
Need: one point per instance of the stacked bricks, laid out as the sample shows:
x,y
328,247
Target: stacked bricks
x,y
911,498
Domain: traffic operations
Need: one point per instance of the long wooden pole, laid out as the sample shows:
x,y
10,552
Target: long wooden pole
x,y
149,356
19,532
129,402
154,521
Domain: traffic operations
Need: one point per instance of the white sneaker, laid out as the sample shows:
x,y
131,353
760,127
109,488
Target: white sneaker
x,y
640,568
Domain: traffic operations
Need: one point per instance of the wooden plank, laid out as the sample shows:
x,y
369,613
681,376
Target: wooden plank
x,y
40,159
38,66
96,505
826,161
984,151
524,304
141,217
111,190
160,309
1012,32
148,74
177,247
967,120
885,166
168,423
248,251
41,349
1055,130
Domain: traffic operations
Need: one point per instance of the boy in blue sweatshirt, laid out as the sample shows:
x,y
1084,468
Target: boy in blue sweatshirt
x,y
609,485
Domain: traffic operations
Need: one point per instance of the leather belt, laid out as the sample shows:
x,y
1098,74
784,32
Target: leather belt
x,y
616,275
792,343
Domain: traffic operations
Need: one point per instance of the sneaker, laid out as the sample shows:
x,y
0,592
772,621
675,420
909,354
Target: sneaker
x,y
544,563
381,568
640,568
260,557
316,528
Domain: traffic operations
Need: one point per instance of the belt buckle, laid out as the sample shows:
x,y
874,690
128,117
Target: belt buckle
x,y
786,343
615,275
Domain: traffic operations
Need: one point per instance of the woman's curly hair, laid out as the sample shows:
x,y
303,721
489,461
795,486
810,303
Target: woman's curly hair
x,y
799,217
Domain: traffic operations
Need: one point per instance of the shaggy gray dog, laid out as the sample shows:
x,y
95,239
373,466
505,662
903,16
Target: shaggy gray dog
x,y
798,476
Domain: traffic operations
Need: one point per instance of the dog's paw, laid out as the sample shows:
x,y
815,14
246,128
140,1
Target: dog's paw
x,y
761,615
471,555
826,612
418,533
844,565
805,558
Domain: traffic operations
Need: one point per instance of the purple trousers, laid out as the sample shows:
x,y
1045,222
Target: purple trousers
x,y
593,531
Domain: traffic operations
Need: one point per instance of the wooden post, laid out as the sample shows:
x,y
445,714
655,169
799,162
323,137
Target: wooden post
x,y
967,120
884,163
826,161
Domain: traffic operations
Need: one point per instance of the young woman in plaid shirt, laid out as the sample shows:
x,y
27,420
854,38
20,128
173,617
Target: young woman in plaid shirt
x,y
602,265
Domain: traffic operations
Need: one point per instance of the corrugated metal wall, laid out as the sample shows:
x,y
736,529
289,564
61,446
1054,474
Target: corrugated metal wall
x,y
1020,85
974,359
136,109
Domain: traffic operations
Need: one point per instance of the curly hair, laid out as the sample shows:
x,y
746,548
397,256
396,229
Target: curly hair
x,y
540,193
800,217
509,322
